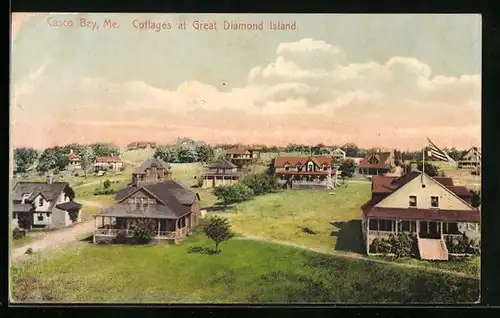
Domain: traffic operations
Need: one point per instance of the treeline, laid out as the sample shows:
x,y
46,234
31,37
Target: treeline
x,y
186,150
56,158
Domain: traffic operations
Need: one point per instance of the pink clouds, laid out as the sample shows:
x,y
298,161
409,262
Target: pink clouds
x,y
307,95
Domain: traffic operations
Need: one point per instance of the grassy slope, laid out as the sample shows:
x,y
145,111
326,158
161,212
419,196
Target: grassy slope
x,y
245,271
280,216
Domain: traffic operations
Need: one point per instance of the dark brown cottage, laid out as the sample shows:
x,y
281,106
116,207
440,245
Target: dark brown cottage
x,y
173,210
221,172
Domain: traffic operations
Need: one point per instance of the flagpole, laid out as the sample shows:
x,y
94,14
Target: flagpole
x,y
423,166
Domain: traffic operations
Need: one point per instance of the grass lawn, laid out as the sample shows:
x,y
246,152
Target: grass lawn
x,y
137,155
335,217
22,241
245,271
466,264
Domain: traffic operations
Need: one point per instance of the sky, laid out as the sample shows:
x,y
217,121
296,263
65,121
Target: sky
x,y
385,81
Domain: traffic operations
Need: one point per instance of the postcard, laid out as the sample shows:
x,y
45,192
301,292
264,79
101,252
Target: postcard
x,y
245,158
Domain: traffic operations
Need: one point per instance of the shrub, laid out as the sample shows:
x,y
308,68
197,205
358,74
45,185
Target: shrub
x,y
73,215
77,174
401,245
18,234
29,251
143,230
106,184
462,245
120,238
104,191
122,168
308,230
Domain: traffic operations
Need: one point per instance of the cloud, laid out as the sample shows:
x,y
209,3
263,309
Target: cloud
x,y
309,84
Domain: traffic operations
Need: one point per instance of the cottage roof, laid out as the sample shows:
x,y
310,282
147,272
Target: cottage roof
x,y
173,195
239,150
222,163
153,162
422,214
50,191
23,208
281,161
382,161
73,156
67,206
150,211
108,159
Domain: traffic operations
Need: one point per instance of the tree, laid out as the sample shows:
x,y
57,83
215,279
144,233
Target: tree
x,y
52,158
24,158
106,184
101,149
218,230
351,150
187,152
430,169
86,159
205,153
476,198
166,153
348,167
261,183
232,194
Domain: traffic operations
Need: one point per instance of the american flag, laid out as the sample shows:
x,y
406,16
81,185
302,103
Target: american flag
x,y
439,154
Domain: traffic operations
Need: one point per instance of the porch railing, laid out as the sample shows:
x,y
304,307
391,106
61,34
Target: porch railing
x,y
130,233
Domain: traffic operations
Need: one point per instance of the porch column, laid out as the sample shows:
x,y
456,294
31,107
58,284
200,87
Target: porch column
x,y
93,229
102,221
441,229
159,223
417,223
396,222
368,236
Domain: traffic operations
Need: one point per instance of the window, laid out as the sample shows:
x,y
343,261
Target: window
x,y
47,214
25,197
385,225
435,201
152,201
138,204
412,201
373,225
450,228
40,217
14,216
287,167
131,200
40,202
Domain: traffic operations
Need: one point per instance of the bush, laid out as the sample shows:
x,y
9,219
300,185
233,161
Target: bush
x,y
29,251
120,238
18,234
462,245
401,245
308,230
143,231
104,191
261,183
106,184
73,215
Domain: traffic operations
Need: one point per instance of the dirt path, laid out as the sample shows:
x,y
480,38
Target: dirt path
x,y
55,239
356,256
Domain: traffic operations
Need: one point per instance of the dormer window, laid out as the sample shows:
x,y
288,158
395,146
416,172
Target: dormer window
x,y
25,197
40,201
373,160
324,166
287,167
412,201
435,201
298,166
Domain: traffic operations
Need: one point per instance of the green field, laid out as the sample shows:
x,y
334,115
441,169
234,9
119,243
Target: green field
x,y
281,216
245,271
137,155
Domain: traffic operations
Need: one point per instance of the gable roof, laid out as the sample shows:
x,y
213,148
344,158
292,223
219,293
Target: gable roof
x,y
108,159
222,163
386,184
73,156
153,162
382,161
281,161
50,191
168,192
239,150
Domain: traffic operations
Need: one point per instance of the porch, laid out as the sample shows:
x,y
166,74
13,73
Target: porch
x,y
106,228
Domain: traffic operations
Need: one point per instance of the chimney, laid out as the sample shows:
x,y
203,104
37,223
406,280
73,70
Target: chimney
x,y
49,179
70,151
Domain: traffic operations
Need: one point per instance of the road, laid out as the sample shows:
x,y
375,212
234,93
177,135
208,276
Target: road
x,y
57,238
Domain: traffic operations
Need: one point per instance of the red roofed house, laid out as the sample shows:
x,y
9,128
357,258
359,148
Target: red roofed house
x,y
431,208
303,171
113,163
74,161
376,163
242,155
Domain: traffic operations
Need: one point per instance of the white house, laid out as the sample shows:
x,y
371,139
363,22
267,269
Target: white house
x,y
108,163
48,205
471,160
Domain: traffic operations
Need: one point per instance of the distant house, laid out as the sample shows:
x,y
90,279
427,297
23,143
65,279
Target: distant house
x,y
338,154
173,210
221,172
74,161
430,208
242,155
113,163
303,171
471,160
141,145
47,205
376,163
